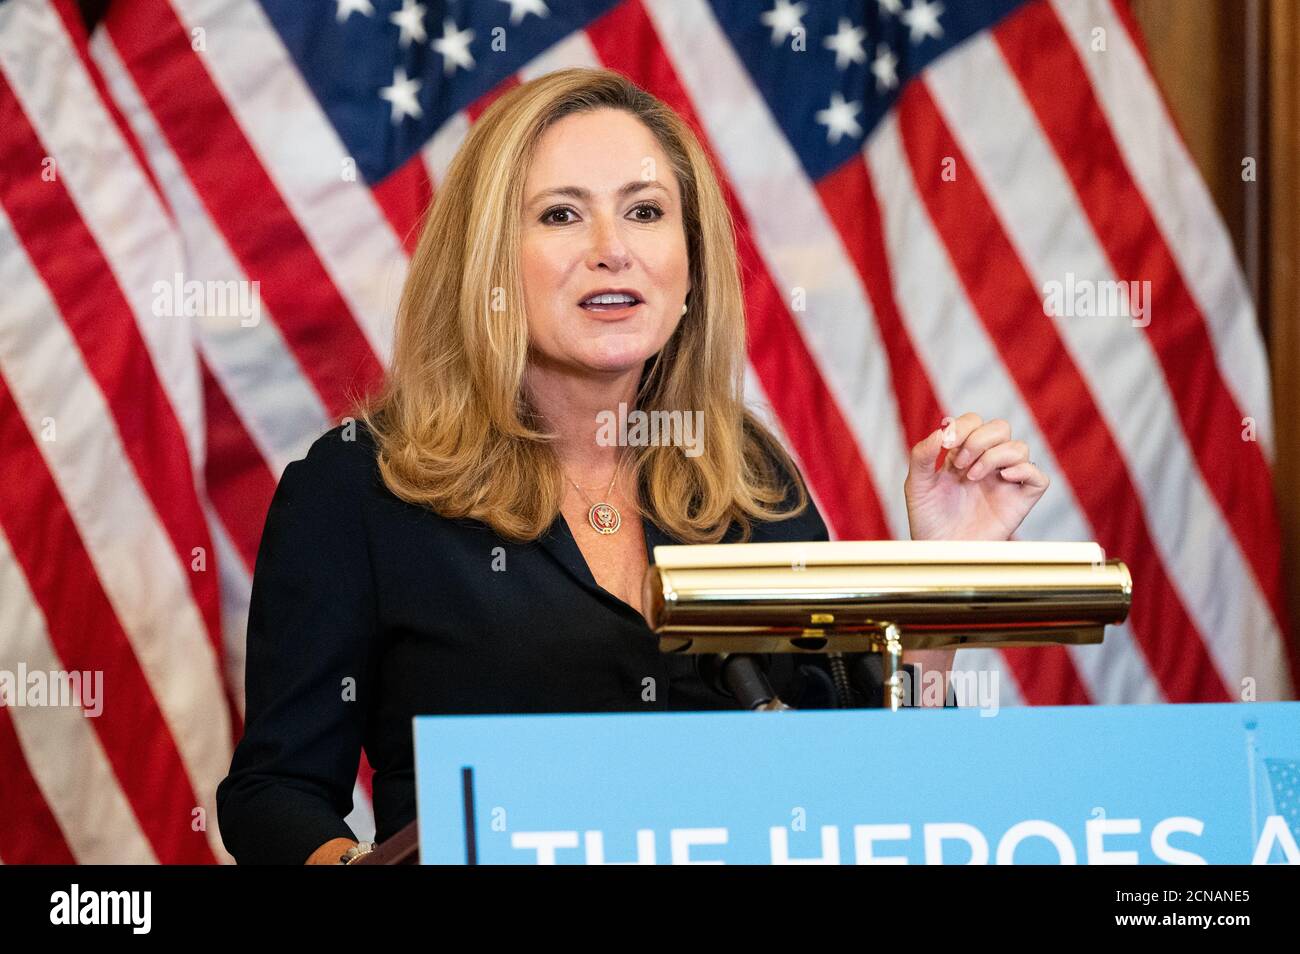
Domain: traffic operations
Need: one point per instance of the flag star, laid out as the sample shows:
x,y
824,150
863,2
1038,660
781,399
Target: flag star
x,y
922,18
891,6
885,68
784,19
402,96
847,44
521,8
349,7
839,119
454,47
410,20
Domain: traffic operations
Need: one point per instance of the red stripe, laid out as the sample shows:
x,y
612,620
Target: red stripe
x,y
85,634
625,39
1002,293
1039,52
29,832
96,312
1046,677
228,176
239,483
404,198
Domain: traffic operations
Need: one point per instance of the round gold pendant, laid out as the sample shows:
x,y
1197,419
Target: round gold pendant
x,y
604,518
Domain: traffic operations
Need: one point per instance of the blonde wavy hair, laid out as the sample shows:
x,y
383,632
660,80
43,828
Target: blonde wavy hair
x,y
454,428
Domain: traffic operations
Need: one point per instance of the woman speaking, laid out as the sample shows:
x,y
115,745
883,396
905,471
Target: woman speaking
x,y
476,540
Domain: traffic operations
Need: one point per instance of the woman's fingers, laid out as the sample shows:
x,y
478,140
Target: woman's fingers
x,y
1027,474
979,439
931,453
1000,455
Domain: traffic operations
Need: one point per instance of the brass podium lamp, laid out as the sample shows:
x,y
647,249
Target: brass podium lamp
x,y
881,597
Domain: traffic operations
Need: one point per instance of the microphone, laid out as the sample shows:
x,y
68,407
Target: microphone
x,y
741,676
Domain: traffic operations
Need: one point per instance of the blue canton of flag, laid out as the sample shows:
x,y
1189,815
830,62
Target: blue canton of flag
x,y
390,73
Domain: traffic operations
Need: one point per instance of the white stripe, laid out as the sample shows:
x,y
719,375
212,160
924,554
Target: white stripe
x,y
113,198
303,155
60,744
133,557
798,242
1179,202
439,151
964,367
757,401
257,371
574,50
236,591
988,115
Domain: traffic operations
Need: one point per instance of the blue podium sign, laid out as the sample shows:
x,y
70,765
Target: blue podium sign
x,y
1177,784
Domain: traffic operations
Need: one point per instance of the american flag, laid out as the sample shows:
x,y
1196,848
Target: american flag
x,y
910,180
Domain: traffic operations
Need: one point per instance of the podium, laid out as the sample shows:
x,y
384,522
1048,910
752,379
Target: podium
x,y
737,602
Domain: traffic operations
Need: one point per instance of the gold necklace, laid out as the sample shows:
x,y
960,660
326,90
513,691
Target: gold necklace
x,y
603,517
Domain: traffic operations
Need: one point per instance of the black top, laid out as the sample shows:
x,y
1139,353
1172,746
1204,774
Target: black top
x,y
367,611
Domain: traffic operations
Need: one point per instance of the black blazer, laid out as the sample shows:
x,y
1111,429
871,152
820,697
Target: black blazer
x,y
367,611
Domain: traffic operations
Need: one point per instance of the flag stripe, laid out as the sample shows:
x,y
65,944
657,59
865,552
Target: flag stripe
x,y
404,196
1001,292
439,151
239,483
236,587
31,833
